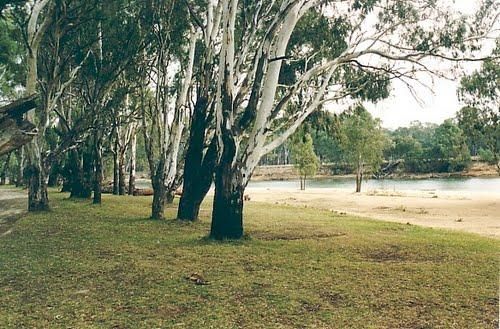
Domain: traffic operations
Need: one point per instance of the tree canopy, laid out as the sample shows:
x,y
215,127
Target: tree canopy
x,y
363,142
305,160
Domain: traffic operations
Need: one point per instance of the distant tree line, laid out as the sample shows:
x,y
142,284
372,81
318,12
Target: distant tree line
x,y
422,147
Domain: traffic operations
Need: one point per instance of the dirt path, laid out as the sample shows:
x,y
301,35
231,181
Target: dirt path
x,y
475,212
12,205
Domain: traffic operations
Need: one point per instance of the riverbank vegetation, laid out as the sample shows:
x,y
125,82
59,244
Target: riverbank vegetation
x,y
421,148
89,266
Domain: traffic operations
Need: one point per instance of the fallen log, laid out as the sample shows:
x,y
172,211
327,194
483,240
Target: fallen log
x,y
143,192
15,131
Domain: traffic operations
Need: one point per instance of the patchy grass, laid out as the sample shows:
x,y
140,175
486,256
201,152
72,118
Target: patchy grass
x,y
109,266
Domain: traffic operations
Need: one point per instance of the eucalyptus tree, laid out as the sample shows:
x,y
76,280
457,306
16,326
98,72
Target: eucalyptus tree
x,y
39,18
59,64
374,42
362,142
449,145
168,62
305,160
116,41
132,158
480,120
124,120
200,158
48,27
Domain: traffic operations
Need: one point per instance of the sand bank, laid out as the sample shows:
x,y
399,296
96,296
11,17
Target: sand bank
x,y
475,212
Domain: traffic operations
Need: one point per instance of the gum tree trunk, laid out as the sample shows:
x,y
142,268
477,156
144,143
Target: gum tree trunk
x,y
200,161
170,196
121,174
133,163
37,190
44,182
3,175
227,217
54,175
159,192
227,214
81,187
20,159
116,171
199,166
359,178
98,169
32,173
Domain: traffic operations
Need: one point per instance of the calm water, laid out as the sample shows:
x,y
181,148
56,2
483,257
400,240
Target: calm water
x,y
434,184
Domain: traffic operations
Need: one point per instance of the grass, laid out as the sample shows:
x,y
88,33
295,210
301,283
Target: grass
x,y
84,266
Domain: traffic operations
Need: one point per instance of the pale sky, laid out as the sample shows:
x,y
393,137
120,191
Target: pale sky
x,y
400,109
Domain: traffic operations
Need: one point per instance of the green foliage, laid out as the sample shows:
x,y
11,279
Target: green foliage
x,y
11,58
4,4
472,124
365,5
449,143
480,120
406,147
324,129
362,139
482,88
486,155
304,158
429,148
328,42
327,147
366,85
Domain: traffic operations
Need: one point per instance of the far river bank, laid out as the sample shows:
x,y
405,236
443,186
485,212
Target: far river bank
x,y
288,172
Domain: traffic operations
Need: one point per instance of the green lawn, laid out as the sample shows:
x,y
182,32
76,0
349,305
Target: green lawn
x,y
84,266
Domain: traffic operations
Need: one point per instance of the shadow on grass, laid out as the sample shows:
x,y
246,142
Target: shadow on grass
x,y
11,210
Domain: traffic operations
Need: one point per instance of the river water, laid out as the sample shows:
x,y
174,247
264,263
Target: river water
x,y
490,184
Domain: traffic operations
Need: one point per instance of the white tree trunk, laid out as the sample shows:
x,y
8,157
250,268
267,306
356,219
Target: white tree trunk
x,y
180,117
37,197
133,162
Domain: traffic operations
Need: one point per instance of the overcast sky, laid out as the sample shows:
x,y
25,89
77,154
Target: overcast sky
x,y
400,109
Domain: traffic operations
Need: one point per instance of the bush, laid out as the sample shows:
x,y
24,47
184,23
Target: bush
x,y
486,155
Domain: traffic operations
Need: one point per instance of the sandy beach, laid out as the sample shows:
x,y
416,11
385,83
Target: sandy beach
x,y
475,212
